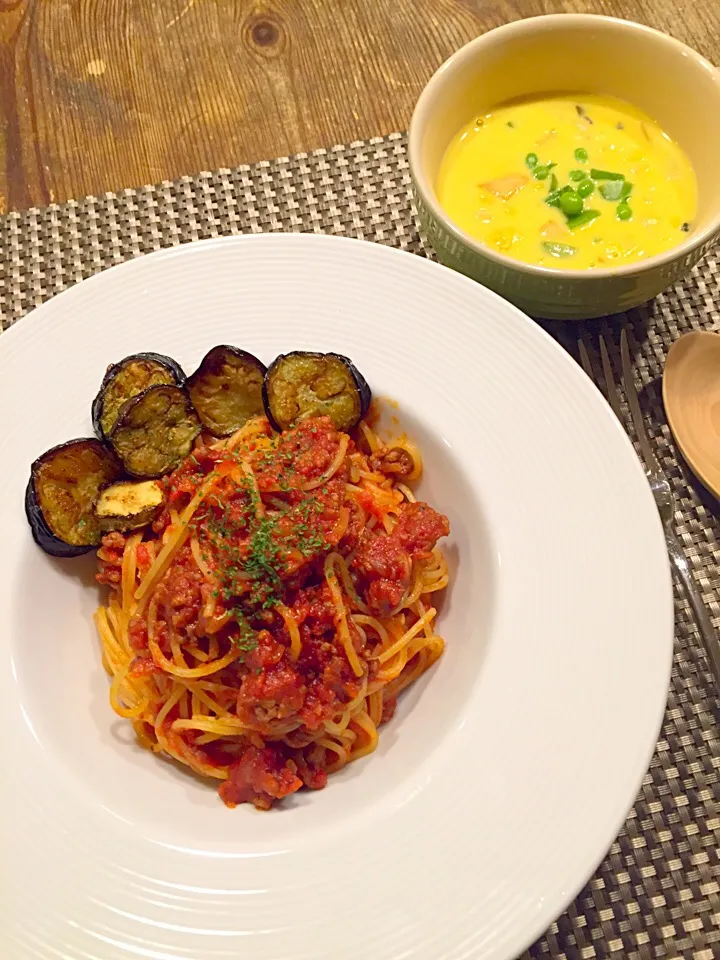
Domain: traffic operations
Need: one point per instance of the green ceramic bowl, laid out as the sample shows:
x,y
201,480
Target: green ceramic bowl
x,y
588,54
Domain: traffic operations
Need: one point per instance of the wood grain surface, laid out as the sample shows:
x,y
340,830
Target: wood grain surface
x,y
96,95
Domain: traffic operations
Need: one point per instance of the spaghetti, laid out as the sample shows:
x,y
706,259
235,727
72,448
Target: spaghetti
x,y
261,628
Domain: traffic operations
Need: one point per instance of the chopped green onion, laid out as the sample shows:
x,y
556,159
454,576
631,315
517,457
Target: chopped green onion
x,y
587,216
605,175
571,204
626,190
532,160
553,198
577,175
553,183
611,190
542,171
623,211
585,188
510,124
581,155
559,249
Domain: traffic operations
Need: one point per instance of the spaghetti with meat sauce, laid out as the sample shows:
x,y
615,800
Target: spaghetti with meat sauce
x,y
261,628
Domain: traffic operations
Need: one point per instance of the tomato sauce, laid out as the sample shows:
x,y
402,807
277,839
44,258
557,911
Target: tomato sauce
x,y
264,541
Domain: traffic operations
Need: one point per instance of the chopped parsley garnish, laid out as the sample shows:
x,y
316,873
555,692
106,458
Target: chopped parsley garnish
x,y
246,638
263,560
252,550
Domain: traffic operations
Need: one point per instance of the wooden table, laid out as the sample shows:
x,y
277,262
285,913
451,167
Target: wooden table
x,y
96,95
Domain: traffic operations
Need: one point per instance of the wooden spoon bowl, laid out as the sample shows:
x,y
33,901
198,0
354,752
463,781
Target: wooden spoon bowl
x,y
691,393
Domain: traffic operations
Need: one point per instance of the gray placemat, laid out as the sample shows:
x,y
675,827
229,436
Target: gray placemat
x,y
657,893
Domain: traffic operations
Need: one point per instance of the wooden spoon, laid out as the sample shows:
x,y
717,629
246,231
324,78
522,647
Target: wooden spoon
x,y
691,393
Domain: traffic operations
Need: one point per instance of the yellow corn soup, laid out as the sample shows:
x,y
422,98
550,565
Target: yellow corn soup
x,y
569,181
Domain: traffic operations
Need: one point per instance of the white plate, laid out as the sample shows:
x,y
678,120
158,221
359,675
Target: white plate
x,y
508,770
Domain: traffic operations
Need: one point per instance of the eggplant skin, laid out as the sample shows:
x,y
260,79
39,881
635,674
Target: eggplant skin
x,y
128,505
303,384
226,389
42,534
125,380
60,494
155,431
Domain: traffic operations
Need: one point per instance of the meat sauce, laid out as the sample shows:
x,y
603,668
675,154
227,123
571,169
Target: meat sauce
x,y
266,544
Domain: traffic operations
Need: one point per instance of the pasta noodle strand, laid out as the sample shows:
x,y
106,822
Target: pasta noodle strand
x,y
201,688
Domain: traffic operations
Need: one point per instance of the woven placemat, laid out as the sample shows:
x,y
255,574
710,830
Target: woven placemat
x,y
657,894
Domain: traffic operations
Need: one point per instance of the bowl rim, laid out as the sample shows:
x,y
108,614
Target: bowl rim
x,y
507,32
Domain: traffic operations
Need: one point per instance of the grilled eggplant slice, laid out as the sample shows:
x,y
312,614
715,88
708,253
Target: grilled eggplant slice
x,y
125,380
128,505
300,385
155,431
64,484
226,389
